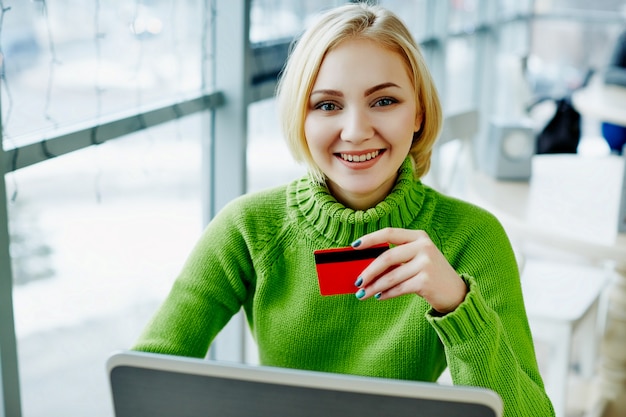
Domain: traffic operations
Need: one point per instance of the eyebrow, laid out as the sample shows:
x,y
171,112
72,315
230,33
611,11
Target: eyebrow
x,y
367,92
379,87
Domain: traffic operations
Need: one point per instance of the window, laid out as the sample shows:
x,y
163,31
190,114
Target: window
x,y
97,238
97,233
70,61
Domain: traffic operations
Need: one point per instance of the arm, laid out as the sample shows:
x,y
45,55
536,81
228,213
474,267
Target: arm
x,y
209,290
494,350
486,334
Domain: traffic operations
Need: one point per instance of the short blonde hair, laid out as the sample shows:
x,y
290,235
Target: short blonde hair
x,y
352,21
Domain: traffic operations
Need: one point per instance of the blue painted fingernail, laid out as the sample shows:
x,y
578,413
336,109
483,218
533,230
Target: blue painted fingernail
x,y
360,293
356,243
378,295
358,282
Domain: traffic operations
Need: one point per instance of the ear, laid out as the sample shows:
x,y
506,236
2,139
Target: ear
x,y
419,117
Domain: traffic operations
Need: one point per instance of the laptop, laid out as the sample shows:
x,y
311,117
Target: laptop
x,y
155,385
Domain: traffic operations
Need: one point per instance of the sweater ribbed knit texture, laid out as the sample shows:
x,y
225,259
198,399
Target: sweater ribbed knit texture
x,y
257,253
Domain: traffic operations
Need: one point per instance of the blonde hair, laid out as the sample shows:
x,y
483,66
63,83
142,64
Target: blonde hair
x,y
352,21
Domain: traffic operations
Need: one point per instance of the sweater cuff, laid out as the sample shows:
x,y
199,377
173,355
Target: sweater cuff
x,y
469,319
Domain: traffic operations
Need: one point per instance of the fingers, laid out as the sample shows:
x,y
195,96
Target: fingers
x,y
413,266
392,270
389,235
407,244
390,284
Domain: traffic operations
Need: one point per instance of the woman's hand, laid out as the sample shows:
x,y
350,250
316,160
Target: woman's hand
x,y
414,265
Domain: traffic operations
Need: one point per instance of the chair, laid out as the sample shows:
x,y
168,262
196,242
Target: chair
x,y
563,303
452,150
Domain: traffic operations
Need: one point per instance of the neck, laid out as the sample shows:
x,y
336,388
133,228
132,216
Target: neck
x,y
362,201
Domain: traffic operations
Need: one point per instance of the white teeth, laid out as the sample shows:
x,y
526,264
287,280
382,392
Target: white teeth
x,y
359,158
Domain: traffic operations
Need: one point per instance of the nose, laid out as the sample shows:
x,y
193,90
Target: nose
x,y
357,126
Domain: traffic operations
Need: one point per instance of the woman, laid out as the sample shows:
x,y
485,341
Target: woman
x,y
359,107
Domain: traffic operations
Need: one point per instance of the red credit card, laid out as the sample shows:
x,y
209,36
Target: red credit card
x,y
339,268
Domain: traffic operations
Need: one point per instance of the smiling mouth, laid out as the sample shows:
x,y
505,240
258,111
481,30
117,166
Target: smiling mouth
x,y
359,158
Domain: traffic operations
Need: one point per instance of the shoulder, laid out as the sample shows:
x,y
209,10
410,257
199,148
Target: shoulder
x,y
253,219
455,212
460,226
267,198
257,206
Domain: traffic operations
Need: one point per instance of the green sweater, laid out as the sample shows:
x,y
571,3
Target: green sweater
x,y
257,253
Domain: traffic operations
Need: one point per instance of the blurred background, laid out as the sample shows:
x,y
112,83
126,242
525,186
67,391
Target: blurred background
x,y
99,220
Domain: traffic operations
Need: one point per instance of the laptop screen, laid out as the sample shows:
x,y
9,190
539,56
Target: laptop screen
x,y
159,385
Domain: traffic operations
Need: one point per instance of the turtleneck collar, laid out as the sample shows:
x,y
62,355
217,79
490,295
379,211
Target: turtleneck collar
x,y
322,214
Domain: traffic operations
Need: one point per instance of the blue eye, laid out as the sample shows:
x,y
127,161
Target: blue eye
x,y
326,106
384,102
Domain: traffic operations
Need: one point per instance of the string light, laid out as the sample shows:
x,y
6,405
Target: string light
x,y
9,99
3,73
28,151
52,64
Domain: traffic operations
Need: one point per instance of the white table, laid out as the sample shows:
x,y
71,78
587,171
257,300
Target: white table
x,y
607,103
602,102
510,201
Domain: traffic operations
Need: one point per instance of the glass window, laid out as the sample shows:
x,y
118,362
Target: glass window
x,y
509,8
269,161
414,13
275,19
98,237
70,61
546,6
511,90
463,15
460,87
563,50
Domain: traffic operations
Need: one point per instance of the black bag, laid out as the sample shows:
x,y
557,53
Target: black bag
x,y
562,133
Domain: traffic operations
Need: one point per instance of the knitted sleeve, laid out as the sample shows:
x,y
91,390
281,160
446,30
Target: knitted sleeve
x,y
487,338
210,289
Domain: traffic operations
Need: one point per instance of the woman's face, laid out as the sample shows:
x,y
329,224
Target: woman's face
x,y
360,121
